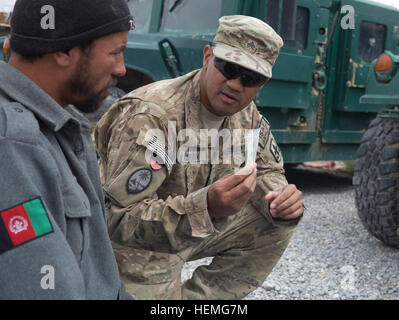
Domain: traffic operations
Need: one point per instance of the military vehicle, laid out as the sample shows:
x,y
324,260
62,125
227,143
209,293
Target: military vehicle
x,y
4,43
4,31
376,176
313,100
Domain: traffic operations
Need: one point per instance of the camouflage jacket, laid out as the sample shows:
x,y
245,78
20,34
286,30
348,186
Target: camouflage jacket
x,y
167,210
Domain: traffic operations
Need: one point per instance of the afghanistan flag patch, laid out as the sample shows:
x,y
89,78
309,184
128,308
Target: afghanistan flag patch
x,y
23,223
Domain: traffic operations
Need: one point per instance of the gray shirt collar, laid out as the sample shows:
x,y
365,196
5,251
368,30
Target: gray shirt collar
x,y
20,88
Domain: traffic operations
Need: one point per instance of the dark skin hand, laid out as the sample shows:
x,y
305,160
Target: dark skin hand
x,y
228,195
285,203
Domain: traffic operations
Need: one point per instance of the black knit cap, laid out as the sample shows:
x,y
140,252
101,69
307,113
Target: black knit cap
x,y
76,22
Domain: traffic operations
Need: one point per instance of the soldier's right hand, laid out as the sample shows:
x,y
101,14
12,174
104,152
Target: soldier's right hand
x,y
228,195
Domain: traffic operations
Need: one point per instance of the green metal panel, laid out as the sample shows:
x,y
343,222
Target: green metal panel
x,y
316,100
299,97
142,54
382,92
312,101
356,77
347,85
395,39
289,96
231,7
297,153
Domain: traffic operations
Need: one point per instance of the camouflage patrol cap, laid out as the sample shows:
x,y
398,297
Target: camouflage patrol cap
x,y
248,42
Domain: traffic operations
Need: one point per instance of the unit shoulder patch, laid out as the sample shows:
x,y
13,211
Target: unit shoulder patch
x,y
264,132
139,180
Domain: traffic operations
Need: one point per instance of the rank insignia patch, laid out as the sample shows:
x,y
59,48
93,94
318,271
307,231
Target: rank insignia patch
x,y
139,180
23,223
264,132
275,150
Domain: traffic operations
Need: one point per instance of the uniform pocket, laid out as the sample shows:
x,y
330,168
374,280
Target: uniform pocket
x,y
76,203
77,208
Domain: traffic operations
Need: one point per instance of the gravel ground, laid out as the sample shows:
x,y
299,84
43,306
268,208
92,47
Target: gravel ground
x,y
331,256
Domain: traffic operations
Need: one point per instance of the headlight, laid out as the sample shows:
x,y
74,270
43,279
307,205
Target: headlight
x,y
386,66
6,46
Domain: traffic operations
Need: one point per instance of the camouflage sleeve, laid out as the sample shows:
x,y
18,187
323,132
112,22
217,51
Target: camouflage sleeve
x,y
136,165
270,167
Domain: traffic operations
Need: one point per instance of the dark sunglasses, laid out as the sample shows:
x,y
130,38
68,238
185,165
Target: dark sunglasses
x,y
233,71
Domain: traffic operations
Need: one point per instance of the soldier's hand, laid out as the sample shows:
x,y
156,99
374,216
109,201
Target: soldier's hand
x,y
229,194
286,203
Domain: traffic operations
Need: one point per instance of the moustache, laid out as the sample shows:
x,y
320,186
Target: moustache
x,y
113,82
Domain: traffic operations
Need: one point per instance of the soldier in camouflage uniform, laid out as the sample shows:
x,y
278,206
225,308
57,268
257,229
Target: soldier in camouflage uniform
x,y
162,212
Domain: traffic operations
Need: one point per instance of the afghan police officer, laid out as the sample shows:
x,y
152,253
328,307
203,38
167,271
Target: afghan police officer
x,y
54,242
164,210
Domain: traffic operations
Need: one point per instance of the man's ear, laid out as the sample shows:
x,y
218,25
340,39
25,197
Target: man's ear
x,y
66,58
207,54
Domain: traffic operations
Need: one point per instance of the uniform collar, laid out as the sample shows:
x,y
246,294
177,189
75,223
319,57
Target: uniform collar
x,y
192,104
20,88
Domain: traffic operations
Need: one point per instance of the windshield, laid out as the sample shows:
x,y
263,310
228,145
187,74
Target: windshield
x,y
141,12
191,15
6,5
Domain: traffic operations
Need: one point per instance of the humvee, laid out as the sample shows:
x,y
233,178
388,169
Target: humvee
x,y
4,25
376,176
4,31
313,100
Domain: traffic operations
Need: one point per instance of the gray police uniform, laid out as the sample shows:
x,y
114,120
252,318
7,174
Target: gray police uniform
x,y
53,238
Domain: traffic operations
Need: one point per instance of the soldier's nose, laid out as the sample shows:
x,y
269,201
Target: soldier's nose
x,y
235,84
119,69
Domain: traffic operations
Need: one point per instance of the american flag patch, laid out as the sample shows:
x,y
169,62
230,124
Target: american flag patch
x,y
161,151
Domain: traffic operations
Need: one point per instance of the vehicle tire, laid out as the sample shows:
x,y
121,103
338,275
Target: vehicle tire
x,y
376,180
115,93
